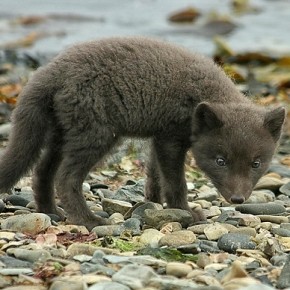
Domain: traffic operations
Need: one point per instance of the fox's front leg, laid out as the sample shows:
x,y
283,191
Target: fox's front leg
x,y
170,156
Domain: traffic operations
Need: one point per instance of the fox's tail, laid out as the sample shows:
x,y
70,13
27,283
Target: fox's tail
x,y
30,120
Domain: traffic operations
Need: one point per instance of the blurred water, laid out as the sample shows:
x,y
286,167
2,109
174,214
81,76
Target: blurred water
x,y
266,31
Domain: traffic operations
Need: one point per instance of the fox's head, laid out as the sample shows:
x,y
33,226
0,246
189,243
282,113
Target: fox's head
x,y
234,144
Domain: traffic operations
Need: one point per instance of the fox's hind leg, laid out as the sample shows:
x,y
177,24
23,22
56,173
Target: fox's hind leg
x,y
44,173
79,156
152,187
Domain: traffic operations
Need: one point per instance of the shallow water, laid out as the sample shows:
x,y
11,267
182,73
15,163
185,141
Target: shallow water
x,y
266,31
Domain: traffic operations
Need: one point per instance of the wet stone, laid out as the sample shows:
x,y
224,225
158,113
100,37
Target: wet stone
x,y
232,241
285,226
189,249
270,208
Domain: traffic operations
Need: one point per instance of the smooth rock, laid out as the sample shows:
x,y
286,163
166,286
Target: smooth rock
x,y
214,231
177,238
65,285
257,287
157,218
80,249
270,208
232,241
168,282
16,271
151,237
139,210
274,219
285,189
87,267
133,225
248,220
178,269
116,218
32,223
189,249
212,211
16,200
246,231
197,229
284,279
135,276
26,287
112,206
207,193
281,232
209,246
11,262
140,259
285,226
261,196
108,286
29,255
268,182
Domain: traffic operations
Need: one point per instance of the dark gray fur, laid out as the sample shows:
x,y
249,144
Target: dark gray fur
x,y
78,106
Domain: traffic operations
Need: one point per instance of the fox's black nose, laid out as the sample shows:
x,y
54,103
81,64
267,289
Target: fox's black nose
x,y
237,199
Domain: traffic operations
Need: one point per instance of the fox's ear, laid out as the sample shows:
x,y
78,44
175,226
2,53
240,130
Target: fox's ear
x,y
274,121
206,117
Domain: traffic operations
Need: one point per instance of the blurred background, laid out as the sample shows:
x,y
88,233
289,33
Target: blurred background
x,y
249,38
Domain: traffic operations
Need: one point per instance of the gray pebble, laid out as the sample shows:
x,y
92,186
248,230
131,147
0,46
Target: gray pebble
x,y
11,262
64,285
282,170
131,193
29,255
16,200
157,218
139,210
285,189
32,223
167,282
16,271
209,246
279,260
135,276
232,241
269,208
108,286
112,206
285,226
257,287
90,268
281,232
284,279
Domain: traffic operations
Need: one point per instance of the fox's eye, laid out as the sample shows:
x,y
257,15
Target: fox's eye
x,y
256,163
220,161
